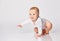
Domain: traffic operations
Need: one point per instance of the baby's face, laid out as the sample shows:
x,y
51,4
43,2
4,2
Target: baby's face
x,y
33,14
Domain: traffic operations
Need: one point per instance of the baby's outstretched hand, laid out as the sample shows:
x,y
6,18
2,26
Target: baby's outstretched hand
x,y
20,26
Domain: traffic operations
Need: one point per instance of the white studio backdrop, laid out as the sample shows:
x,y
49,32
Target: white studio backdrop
x,y
13,12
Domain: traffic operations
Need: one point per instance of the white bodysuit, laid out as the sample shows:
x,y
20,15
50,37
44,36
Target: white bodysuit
x,y
38,24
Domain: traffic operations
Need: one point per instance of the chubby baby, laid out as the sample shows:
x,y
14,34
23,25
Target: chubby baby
x,y
41,25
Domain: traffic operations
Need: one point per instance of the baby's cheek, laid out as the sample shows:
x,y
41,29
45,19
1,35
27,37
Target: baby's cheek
x,y
35,17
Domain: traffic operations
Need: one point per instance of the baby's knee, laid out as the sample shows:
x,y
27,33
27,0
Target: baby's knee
x,y
36,30
49,25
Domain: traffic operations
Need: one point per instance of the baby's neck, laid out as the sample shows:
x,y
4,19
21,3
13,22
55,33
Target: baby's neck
x,y
34,21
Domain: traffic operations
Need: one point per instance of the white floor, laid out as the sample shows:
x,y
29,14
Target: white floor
x,y
28,37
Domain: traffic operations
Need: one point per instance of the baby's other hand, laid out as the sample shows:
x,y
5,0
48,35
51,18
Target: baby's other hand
x,y
38,35
20,26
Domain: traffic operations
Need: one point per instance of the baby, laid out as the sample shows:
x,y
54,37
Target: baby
x,y
37,22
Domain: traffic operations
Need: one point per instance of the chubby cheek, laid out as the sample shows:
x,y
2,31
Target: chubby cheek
x,y
35,17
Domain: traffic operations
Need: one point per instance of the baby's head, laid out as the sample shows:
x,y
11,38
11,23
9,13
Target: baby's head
x,y
34,13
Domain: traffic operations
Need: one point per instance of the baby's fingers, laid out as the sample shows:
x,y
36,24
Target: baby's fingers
x,y
19,26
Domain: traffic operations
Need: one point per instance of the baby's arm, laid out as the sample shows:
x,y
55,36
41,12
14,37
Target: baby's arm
x,y
39,34
23,23
40,29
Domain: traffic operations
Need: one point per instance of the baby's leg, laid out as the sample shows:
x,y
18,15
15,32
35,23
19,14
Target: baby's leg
x,y
44,32
48,27
36,30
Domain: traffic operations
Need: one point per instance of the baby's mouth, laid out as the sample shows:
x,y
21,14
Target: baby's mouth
x,y
32,18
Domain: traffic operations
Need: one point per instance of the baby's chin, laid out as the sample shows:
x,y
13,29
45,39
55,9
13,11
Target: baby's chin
x,y
33,20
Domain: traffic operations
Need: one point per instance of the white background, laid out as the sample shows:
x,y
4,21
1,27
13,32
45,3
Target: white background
x,y
13,12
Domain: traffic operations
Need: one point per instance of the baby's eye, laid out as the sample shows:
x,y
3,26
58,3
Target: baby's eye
x,y
33,14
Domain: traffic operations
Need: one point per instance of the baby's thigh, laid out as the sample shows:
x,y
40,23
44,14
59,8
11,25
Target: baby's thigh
x,y
48,25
